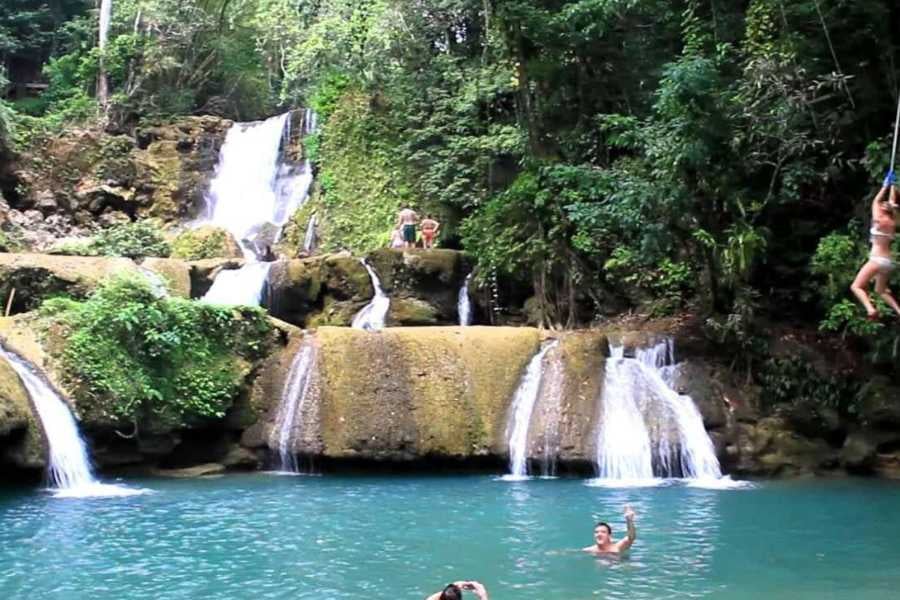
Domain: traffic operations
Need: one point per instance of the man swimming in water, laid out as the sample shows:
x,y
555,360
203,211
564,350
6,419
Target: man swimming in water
x,y
603,537
454,591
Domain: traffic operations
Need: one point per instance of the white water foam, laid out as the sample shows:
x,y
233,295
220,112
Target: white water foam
x,y
372,315
253,194
648,432
69,469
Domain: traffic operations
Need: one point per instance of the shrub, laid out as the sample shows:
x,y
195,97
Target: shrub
x,y
134,240
133,356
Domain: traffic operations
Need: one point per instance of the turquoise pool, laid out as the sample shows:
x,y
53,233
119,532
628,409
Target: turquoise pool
x,y
263,536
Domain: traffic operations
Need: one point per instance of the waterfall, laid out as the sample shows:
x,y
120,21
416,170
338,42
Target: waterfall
x,y
371,317
293,407
69,469
253,194
520,413
463,304
647,429
309,241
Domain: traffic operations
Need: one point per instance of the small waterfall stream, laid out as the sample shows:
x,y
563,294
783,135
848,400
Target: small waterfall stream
x,y
68,466
293,408
309,240
520,413
371,317
464,304
157,283
255,191
647,429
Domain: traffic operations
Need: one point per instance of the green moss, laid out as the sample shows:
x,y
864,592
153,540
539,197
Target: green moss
x,y
160,361
203,243
362,183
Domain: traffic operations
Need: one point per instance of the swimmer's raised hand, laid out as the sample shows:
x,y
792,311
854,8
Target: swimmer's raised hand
x,y
629,513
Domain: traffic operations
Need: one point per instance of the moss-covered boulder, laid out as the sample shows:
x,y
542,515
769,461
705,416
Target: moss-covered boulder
x,y
35,277
330,289
175,274
14,407
420,278
205,242
771,448
323,290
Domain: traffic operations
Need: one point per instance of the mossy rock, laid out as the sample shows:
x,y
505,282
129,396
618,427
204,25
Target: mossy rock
x,y
411,312
433,391
15,411
205,242
36,277
175,273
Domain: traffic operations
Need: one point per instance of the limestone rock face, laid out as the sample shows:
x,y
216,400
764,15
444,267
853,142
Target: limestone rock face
x,y
322,290
414,393
35,277
330,289
68,184
423,284
771,448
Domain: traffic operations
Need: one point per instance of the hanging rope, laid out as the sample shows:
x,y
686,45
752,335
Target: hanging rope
x,y
837,64
896,130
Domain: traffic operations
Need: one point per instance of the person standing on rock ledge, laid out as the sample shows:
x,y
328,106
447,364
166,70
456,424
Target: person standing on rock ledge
x,y
429,231
454,591
603,537
406,221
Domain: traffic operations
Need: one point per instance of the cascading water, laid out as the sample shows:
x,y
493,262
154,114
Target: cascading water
x,y
371,317
309,240
520,414
647,429
292,409
463,304
255,191
69,469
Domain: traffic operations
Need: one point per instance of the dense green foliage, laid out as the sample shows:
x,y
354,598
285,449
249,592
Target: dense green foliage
x,y
603,154
137,239
131,355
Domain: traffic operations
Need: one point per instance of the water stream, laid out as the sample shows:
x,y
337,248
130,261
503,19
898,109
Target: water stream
x,y
520,413
68,466
309,240
464,304
371,317
292,409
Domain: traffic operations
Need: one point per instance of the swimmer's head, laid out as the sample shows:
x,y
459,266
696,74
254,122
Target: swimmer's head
x,y
602,533
451,592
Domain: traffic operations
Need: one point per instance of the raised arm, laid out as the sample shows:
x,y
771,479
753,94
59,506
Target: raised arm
x,y
474,587
626,543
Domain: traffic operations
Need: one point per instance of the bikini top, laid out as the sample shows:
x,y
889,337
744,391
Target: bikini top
x,y
875,233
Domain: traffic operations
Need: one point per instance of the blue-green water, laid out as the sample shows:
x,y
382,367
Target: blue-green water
x,y
262,536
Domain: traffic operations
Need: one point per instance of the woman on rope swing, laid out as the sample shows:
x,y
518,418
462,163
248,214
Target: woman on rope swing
x,y
880,263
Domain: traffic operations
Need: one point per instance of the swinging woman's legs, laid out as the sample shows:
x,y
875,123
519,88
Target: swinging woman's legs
x,y
881,287
865,275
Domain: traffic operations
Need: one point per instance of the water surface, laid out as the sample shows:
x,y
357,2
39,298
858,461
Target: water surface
x,y
260,536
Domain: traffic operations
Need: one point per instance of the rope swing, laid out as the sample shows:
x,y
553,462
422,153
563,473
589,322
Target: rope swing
x,y
896,130
837,64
